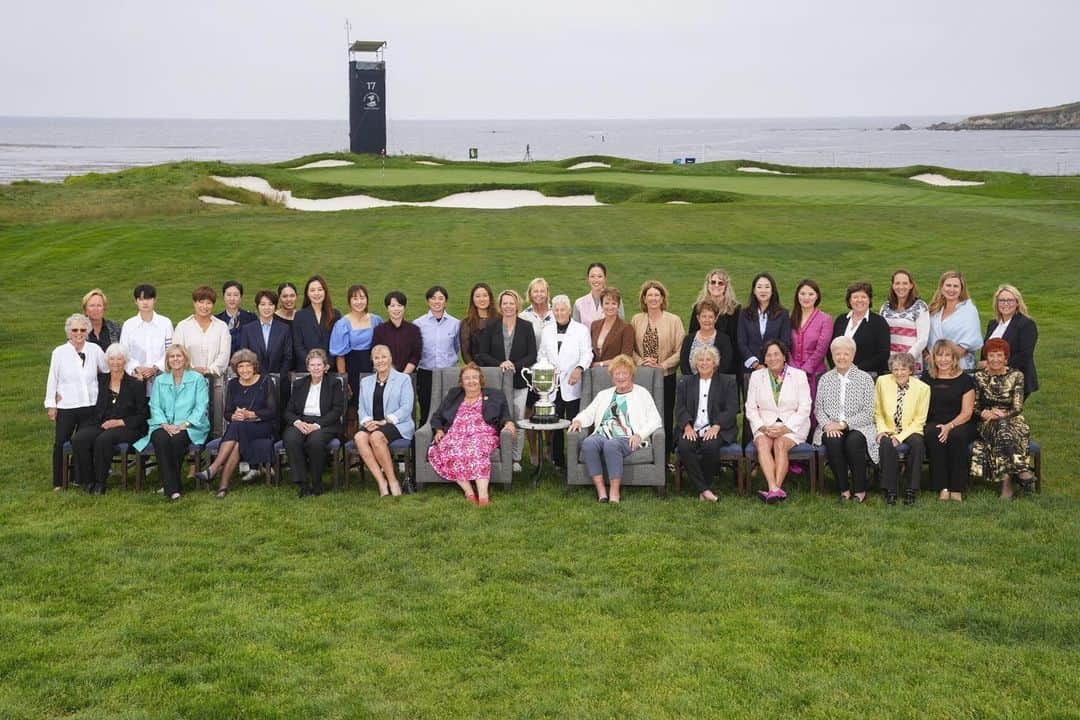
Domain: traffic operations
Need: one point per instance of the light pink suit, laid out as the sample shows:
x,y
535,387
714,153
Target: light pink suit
x,y
794,407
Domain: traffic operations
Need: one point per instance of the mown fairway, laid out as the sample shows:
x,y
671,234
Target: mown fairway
x,y
544,604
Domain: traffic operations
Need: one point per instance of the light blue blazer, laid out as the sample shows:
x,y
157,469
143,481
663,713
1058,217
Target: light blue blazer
x,y
172,404
397,401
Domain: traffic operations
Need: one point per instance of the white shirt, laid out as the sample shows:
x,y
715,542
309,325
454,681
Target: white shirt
x,y
574,352
72,379
702,420
999,331
845,380
208,348
853,326
311,405
146,342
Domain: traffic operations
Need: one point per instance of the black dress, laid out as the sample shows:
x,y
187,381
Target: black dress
x,y
256,437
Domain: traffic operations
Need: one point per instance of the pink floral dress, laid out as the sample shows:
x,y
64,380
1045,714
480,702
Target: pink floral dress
x,y
464,453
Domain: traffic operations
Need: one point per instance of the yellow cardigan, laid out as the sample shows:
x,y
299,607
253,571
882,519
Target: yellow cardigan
x,y
916,405
670,333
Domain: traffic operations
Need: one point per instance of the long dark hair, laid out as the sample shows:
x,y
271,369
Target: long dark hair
x,y
774,309
472,314
327,304
796,306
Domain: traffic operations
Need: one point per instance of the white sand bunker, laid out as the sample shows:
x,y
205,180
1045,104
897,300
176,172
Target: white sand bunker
x,y
323,164
942,181
678,202
428,162
587,165
485,200
751,169
211,200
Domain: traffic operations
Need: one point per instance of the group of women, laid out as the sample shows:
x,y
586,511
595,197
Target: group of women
x,y
870,408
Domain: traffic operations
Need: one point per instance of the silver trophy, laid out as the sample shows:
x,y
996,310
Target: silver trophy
x,y
543,379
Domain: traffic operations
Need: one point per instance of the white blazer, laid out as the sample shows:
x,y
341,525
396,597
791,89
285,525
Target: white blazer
x,y
794,407
576,351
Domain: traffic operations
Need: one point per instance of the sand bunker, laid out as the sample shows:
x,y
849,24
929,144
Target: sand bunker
x,y
751,169
211,200
587,165
942,181
428,162
323,164
678,202
486,200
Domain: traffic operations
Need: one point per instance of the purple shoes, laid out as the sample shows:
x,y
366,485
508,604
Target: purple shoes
x,y
772,497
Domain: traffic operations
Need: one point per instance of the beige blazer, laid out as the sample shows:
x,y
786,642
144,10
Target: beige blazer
x,y
671,332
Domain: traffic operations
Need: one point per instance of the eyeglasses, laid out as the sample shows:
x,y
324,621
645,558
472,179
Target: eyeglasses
x,y
1006,301
82,330
717,282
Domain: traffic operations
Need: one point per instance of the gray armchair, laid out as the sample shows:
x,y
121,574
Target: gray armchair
x,y
648,465
502,460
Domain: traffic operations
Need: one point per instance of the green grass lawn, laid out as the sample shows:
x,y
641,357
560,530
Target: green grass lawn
x,y
545,604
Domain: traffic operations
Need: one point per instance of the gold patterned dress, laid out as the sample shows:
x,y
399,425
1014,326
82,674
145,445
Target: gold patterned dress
x,y
1001,448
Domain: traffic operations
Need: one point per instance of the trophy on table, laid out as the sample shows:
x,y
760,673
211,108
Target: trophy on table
x,y
543,379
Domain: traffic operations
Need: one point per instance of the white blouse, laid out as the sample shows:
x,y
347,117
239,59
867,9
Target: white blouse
x,y
208,348
72,379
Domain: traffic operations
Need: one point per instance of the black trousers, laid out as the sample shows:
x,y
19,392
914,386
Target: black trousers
x,y
170,451
93,449
669,412
701,458
847,453
307,455
890,463
68,421
564,409
423,390
949,461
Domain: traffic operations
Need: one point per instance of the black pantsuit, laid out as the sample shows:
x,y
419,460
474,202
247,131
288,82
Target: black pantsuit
x,y
423,391
701,458
949,461
94,448
307,454
847,453
890,462
68,421
565,409
170,451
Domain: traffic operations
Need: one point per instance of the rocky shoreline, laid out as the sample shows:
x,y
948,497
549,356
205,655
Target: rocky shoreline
x,y
1059,117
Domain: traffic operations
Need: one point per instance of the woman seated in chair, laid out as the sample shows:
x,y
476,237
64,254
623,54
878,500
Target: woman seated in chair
x,y
705,408
251,404
778,412
900,406
312,419
119,417
624,418
845,419
1000,450
385,415
467,426
179,403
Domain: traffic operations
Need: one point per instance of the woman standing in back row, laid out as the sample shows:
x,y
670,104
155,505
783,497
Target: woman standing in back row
x,y
718,289
953,316
908,318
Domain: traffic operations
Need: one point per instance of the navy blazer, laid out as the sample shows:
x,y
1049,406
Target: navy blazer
x,y
872,346
243,317
1022,334
275,357
490,350
331,403
750,337
131,403
308,334
496,411
723,405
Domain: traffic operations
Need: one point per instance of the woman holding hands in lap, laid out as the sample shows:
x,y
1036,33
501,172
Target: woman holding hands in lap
x,y
778,411
385,412
948,427
312,419
466,427
901,402
845,416
953,316
1000,451
705,409
179,400
625,417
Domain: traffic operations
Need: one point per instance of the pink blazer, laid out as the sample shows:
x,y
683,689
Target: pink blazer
x,y
810,345
793,409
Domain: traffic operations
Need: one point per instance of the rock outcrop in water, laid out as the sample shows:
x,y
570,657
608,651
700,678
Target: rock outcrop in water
x,y
1059,117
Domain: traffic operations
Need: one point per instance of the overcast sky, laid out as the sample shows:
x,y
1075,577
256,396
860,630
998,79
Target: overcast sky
x,y
555,58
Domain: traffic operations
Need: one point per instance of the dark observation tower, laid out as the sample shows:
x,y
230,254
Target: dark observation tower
x,y
367,97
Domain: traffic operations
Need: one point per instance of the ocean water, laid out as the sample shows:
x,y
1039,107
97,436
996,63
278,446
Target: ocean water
x,y
53,148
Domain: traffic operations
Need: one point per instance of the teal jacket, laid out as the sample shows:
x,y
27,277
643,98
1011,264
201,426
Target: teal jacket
x,y
172,404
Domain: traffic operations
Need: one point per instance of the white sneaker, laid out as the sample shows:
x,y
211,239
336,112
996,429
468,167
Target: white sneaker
x,y
517,467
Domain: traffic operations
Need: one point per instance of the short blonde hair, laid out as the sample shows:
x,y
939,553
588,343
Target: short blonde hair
x,y
624,361
383,347
1021,307
945,346
96,291
183,351
513,294
536,282
842,341
243,355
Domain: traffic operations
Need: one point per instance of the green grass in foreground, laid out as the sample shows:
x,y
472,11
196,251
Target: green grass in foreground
x,y
544,604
